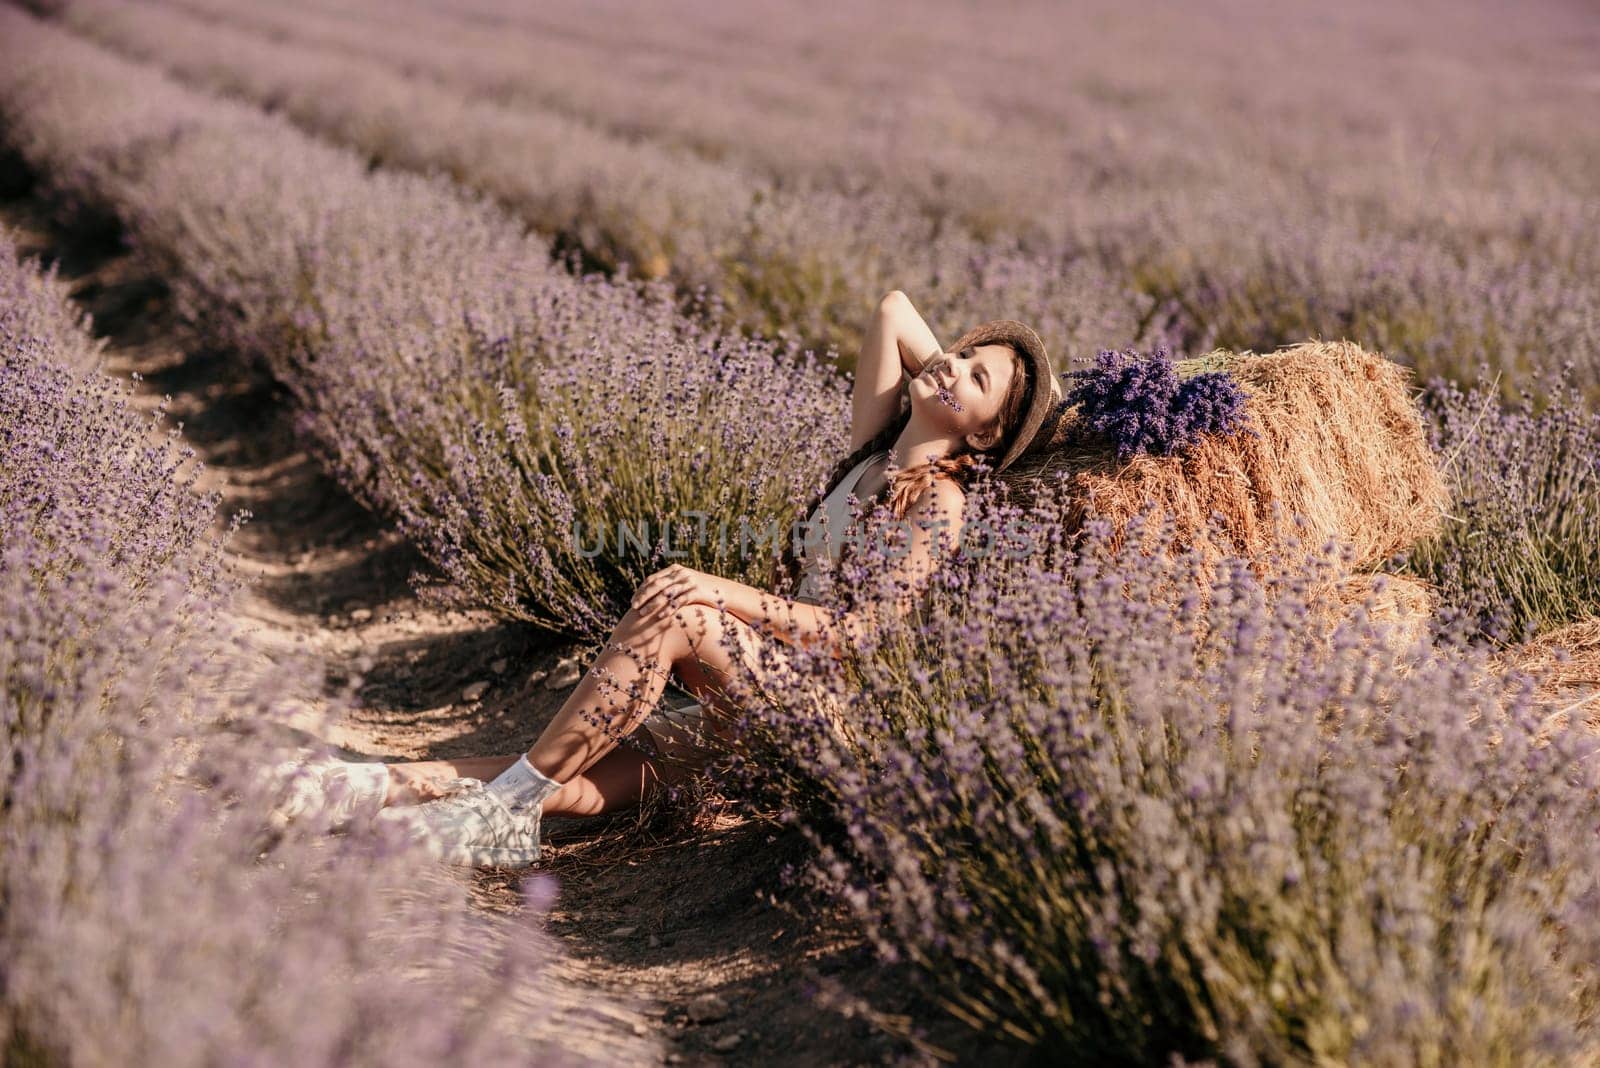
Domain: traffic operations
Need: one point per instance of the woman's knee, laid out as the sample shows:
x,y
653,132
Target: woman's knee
x,y
702,628
718,642
634,624
673,635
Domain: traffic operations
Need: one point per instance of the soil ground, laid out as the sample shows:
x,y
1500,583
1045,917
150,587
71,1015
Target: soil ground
x,y
654,913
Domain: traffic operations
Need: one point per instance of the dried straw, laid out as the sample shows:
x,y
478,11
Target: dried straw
x,y
1341,457
1396,626
1399,606
1565,664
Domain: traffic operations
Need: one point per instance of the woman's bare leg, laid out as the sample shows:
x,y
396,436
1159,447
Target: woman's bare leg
x,y
625,682
618,780
621,688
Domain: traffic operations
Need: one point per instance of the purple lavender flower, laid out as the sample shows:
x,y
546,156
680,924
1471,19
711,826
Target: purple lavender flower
x,y
1208,403
1142,405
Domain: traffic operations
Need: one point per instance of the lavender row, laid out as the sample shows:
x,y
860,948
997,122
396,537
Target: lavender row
x,y
1263,236
931,100
452,376
1117,825
1520,552
781,264
78,469
146,920
909,96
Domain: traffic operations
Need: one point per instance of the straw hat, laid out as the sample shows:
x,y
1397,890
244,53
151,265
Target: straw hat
x,y
1037,403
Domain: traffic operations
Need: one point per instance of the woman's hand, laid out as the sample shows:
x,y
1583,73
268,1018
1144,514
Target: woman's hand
x,y
673,587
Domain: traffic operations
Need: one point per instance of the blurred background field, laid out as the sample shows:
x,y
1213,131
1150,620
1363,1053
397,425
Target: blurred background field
x,y
1415,178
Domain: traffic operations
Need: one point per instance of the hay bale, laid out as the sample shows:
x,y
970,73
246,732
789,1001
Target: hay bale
x,y
1341,446
1399,616
1400,606
1565,665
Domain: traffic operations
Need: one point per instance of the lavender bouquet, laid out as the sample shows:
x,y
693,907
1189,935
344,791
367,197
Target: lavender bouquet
x,y
1144,405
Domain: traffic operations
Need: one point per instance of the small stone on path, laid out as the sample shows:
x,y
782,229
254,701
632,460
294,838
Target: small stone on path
x,y
499,666
623,932
567,673
475,691
728,1043
361,615
707,1008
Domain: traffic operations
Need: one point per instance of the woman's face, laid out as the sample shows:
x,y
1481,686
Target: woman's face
x,y
963,391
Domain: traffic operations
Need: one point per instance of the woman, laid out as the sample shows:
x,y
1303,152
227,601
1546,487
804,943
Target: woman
x,y
988,396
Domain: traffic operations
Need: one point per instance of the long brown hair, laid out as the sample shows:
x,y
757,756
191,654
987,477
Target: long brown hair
x,y
907,484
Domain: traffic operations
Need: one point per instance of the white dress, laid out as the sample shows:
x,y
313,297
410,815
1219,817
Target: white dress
x,y
837,509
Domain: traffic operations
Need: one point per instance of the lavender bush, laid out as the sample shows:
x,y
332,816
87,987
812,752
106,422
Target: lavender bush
x,y
141,918
31,307
69,445
1520,552
451,375
751,251
1113,825
1245,205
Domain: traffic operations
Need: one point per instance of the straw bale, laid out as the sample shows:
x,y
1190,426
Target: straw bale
x,y
1401,606
1565,664
1340,455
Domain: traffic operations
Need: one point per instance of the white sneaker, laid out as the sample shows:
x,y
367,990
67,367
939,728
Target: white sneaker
x,y
471,826
341,791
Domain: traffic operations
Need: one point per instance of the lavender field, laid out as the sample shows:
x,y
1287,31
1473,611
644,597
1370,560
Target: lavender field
x,y
326,322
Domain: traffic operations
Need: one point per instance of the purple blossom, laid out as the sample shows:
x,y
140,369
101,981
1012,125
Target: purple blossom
x,y
1141,405
1054,778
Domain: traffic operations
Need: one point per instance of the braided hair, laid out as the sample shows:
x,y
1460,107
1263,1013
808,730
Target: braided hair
x,y
907,484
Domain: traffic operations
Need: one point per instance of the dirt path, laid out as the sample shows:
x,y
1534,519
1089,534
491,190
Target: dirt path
x,y
681,919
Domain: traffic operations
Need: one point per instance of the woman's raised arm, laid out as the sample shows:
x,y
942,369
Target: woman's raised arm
x,y
898,343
